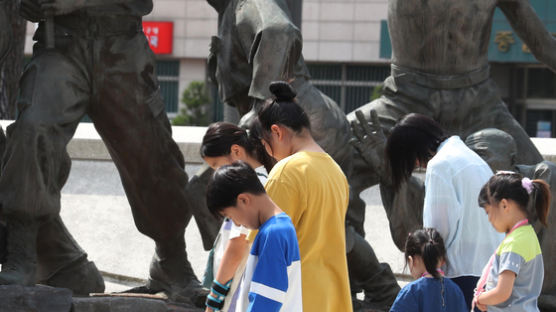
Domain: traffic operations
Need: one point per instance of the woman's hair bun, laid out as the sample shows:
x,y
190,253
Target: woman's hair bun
x,y
282,91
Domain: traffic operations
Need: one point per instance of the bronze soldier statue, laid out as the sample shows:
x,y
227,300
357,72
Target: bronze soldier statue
x,y
500,151
440,69
258,42
100,64
5,34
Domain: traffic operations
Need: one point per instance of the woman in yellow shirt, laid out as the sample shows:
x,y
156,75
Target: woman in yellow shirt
x,y
310,187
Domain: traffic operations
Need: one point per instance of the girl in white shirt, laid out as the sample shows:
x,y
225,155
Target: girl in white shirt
x,y
454,177
223,144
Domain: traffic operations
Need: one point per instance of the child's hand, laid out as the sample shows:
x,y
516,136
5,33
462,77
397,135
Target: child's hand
x,y
479,306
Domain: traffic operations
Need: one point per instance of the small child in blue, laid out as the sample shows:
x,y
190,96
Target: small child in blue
x,y
431,292
272,279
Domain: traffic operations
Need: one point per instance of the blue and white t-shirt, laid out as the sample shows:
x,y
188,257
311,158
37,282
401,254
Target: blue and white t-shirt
x,y
272,279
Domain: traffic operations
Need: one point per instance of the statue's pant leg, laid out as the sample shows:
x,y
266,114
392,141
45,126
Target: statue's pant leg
x,y
131,120
62,262
367,273
36,165
493,113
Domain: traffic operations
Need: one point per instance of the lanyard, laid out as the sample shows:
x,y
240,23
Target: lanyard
x,y
483,280
439,270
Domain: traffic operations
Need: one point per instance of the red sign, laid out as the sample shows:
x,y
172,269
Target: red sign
x,y
160,36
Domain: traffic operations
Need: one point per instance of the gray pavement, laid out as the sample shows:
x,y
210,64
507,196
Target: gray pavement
x,y
97,213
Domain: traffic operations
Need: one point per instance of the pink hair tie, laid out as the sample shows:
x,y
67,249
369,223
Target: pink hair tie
x,y
527,185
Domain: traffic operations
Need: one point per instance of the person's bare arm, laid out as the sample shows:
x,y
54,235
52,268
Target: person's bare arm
x,y
233,255
236,249
531,30
501,292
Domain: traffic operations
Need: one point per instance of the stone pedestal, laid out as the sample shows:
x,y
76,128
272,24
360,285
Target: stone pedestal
x,y
14,298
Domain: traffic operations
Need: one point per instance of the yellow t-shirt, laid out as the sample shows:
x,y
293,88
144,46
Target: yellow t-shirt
x,y
312,189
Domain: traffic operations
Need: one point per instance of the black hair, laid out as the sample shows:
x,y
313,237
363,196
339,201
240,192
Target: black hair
x,y
228,182
220,137
510,185
282,109
429,245
415,137
255,136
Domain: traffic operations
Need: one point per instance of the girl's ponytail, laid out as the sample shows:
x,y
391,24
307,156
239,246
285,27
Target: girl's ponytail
x,y
433,251
542,197
429,245
533,197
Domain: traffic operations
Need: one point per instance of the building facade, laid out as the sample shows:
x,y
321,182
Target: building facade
x,y
346,46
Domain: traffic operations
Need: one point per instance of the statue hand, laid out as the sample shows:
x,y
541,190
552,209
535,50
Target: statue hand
x,y
30,10
61,7
369,140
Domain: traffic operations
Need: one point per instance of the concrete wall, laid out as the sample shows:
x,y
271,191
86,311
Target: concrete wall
x,y
333,30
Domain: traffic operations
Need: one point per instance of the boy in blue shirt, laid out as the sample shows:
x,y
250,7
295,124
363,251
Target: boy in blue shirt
x,y
272,279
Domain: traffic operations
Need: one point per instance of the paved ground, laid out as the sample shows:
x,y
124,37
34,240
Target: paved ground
x,y
96,212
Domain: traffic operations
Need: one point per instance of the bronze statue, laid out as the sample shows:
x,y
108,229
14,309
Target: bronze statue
x,y
5,34
258,42
91,57
440,69
500,151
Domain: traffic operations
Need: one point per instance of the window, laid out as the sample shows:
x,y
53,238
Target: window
x,y
168,73
351,86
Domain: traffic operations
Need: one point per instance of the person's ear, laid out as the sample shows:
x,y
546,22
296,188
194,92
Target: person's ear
x,y
236,151
278,131
243,199
410,261
504,204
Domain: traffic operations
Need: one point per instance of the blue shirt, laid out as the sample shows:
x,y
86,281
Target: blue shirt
x,y
430,295
272,280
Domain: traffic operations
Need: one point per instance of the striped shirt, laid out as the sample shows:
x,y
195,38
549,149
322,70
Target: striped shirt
x,y
272,279
520,253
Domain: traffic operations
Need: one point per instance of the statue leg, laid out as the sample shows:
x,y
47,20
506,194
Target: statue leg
x,y
5,34
36,164
366,272
208,225
62,262
131,120
503,120
467,110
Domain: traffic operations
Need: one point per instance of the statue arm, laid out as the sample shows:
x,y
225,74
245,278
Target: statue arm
x,y
531,30
404,208
273,53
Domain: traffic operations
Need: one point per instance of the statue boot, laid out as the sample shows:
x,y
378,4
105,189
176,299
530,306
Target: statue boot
x,y
62,262
3,242
20,266
171,273
207,223
366,273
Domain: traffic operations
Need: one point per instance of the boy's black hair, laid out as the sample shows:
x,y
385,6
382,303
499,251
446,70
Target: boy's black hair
x,y
228,182
415,137
509,185
429,245
282,109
